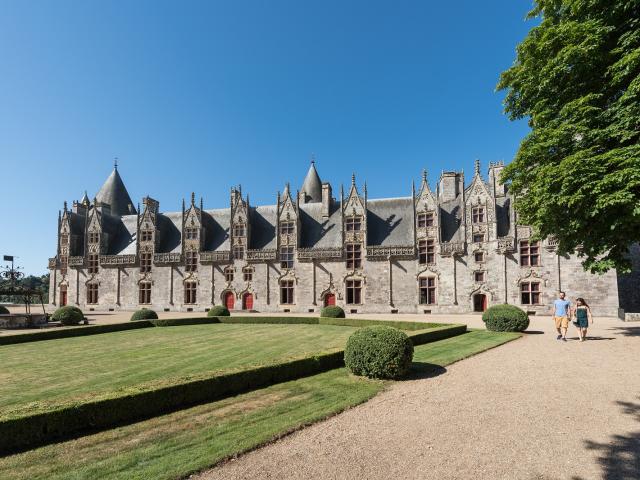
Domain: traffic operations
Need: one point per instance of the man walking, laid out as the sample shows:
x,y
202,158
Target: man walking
x,y
561,309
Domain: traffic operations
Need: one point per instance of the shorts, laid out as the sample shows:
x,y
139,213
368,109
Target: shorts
x,y
561,322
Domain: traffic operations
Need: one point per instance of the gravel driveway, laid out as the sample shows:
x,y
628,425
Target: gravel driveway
x,y
536,408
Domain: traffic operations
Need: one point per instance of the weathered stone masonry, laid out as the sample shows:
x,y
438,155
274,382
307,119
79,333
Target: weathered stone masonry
x,y
455,250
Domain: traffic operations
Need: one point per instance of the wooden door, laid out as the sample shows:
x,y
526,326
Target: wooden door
x,y
229,300
247,301
329,300
63,296
479,302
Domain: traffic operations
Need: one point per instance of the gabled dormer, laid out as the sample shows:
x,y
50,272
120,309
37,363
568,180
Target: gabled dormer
x,y
192,233
354,225
148,234
479,210
426,207
288,228
240,226
95,234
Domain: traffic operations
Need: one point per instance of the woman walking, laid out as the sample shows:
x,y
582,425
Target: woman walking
x,y
583,317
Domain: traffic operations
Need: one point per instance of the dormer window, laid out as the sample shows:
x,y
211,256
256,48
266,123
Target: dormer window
x,y
92,261
425,219
94,237
286,257
146,235
477,214
478,237
354,255
228,274
191,261
238,252
191,233
239,230
287,228
353,224
64,238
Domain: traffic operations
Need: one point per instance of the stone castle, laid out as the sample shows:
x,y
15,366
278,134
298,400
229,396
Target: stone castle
x,y
458,249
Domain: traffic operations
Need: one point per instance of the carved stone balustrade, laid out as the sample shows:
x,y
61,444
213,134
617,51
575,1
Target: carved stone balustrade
x,y
448,249
404,252
261,255
308,254
117,260
166,258
215,257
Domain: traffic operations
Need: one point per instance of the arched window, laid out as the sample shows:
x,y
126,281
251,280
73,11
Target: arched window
x,y
228,274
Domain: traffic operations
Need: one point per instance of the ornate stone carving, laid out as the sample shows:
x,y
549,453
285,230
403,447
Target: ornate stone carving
x,y
505,245
117,260
308,254
76,261
159,258
215,257
257,255
53,262
451,248
383,253
551,244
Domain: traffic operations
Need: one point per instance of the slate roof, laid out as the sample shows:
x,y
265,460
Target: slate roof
x,y
263,226
115,194
390,221
319,232
312,186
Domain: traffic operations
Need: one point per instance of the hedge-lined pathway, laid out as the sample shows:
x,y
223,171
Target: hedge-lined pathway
x,y
535,408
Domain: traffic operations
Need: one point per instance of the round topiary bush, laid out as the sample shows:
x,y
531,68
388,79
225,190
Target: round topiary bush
x,y
68,315
505,318
332,311
379,352
218,311
4,310
144,314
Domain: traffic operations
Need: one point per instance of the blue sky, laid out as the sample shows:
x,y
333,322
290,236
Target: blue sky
x,y
205,95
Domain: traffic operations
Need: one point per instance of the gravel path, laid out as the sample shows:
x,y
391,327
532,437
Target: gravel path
x,y
535,408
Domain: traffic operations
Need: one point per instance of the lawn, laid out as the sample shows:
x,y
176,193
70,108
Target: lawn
x,y
56,370
175,445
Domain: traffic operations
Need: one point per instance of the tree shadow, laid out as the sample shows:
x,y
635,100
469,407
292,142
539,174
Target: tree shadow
x,y
420,370
628,331
620,456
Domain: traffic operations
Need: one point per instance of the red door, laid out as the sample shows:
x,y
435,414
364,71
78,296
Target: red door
x,y
229,300
479,302
247,301
329,300
63,296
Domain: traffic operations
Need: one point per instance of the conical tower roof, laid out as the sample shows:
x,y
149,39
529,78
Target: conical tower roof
x,y
312,185
115,194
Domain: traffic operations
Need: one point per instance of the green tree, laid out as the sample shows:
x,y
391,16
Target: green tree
x,y
576,175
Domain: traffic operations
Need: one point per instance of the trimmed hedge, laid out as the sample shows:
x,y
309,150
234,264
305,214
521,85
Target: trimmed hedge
x,y
379,352
218,311
270,320
144,314
4,310
136,404
353,322
332,311
505,318
68,315
176,322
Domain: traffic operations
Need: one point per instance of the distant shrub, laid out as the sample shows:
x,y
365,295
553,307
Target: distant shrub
x,y
218,311
379,352
144,314
505,318
4,310
68,315
332,311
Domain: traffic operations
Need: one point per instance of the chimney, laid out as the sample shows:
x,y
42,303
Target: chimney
x,y
326,200
449,186
498,188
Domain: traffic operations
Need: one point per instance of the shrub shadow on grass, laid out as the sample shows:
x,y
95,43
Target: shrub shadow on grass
x,y
425,370
533,332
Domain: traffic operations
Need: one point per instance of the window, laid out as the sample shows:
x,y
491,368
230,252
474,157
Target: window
x,y
478,257
426,251
191,233
145,262
92,293
353,224
287,228
228,274
64,238
147,235
238,252
425,219
529,253
64,263
478,276
94,237
286,292
92,263
354,255
247,273
530,293
286,257
238,230
144,292
191,261
427,287
477,215
354,292
478,237
190,292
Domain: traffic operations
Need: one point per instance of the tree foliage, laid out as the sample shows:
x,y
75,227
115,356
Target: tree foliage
x,y
576,176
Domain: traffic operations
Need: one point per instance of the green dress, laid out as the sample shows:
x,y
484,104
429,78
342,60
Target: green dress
x,y
582,318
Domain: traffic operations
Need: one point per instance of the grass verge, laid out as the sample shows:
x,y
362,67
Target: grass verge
x,y
175,445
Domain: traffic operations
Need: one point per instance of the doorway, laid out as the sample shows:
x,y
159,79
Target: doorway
x,y
479,302
63,295
229,300
247,301
329,300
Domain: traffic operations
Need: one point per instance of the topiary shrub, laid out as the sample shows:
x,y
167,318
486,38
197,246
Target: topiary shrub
x,y
505,318
4,310
332,311
68,315
144,314
379,352
218,311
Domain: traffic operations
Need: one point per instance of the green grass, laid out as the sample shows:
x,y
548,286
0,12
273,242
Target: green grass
x,y
56,370
175,445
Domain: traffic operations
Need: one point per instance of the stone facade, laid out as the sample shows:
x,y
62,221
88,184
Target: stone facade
x,y
455,250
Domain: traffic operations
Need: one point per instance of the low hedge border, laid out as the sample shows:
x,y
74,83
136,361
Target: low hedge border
x,y
73,332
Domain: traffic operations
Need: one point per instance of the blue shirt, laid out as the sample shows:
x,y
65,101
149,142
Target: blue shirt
x,y
561,307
